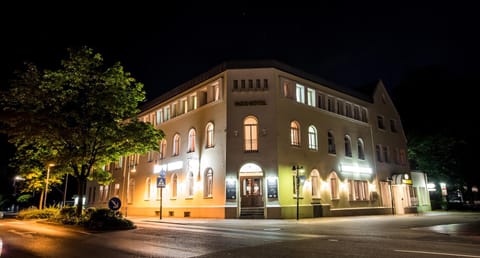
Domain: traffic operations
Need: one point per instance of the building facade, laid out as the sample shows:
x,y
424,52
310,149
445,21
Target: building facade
x,y
265,140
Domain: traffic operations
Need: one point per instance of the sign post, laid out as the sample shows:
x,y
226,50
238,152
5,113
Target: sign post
x,y
160,186
114,203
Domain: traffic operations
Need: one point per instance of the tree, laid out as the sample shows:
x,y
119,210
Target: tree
x,y
80,116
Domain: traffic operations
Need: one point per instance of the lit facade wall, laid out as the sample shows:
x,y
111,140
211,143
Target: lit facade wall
x,y
266,120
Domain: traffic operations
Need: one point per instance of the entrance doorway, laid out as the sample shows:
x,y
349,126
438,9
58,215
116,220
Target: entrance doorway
x,y
251,191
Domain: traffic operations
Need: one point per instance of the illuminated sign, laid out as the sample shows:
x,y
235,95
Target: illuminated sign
x,y
355,169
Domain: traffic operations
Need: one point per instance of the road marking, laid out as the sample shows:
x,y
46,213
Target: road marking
x,y
22,234
271,229
436,253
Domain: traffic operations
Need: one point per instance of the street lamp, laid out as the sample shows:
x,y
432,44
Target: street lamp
x,y
46,184
297,169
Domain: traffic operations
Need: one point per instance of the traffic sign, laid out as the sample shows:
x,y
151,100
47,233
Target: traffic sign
x,y
114,203
161,182
162,173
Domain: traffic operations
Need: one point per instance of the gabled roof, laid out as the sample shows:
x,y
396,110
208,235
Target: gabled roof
x,y
251,64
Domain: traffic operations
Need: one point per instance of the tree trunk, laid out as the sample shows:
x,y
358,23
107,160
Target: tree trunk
x,y
40,204
81,182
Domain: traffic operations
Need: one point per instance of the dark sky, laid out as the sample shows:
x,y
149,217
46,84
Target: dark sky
x,y
349,43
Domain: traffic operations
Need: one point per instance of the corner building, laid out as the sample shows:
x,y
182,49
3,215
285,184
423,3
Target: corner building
x,y
262,139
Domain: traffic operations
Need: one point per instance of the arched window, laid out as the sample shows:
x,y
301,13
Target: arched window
x,y
334,185
250,125
147,188
315,184
190,184
312,138
209,131
208,183
348,146
294,133
163,148
361,148
174,185
191,140
176,145
331,143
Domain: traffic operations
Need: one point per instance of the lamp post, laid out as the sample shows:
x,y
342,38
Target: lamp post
x,y
297,169
65,192
46,185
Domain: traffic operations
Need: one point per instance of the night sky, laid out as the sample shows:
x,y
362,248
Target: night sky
x,y
351,43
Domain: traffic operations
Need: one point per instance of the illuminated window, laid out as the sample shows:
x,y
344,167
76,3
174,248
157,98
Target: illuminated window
x,y
208,181
348,146
174,185
210,135
360,149
184,105
216,92
294,133
334,185
100,192
311,97
331,143
116,190
300,93
163,148
312,138
315,184
147,188
176,145
167,113
191,140
193,101
358,190
190,184
105,193
131,190
250,125
159,116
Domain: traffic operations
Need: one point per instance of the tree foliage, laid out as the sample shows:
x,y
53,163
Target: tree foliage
x,y
80,116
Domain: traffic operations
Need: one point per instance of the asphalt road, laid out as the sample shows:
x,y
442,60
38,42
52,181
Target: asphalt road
x,y
435,234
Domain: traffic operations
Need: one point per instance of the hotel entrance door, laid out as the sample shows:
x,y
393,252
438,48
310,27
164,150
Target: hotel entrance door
x,y
251,191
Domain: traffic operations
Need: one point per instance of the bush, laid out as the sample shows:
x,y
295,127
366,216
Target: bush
x,y
106,219
34,213
67,215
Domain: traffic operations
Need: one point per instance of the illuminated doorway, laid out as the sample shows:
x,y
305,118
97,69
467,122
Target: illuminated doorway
x,y
251,186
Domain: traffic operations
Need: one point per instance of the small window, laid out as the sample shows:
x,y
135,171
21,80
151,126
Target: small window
x,y
348,146
380,123
208,188
312,138
315,178
210,135
163,148
334,185
265,84
361,149
393,126
311,97
386,154
176,145
300,93
191,140
190,184
331,143
331,104
235,84
174,185
378,152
